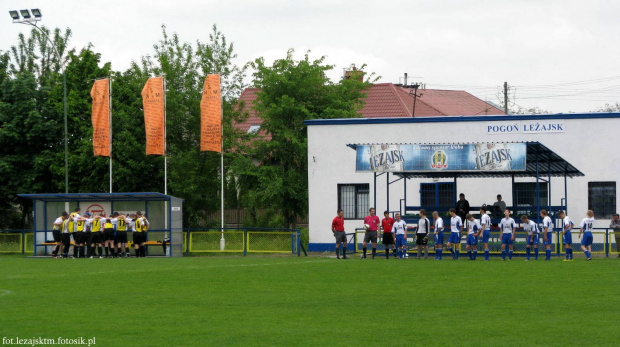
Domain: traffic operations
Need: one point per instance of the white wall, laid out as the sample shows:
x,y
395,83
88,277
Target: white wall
x,y
590,144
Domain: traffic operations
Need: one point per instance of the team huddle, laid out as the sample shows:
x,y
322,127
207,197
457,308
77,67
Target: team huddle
x,y
96,233
478,231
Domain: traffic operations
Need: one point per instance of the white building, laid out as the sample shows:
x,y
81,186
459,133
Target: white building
x,y
589,143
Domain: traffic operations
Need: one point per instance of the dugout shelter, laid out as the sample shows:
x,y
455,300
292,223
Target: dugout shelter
x,y
164,213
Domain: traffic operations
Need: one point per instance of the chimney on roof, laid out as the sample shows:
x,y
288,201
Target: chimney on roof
x,y
353,73
405,79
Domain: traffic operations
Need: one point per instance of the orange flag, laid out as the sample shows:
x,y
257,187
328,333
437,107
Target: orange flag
x,y
100,93
153,104
211,115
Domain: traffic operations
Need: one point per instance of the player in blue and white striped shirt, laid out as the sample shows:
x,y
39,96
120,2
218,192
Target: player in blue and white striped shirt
x,y
547,231
485,222
473,233
507,229
586,229
455,234
532,237
567,237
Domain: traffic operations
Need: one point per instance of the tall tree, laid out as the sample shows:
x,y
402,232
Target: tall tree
x,y
292,91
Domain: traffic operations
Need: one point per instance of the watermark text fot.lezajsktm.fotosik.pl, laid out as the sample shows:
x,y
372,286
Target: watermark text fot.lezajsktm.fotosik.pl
x,y
42,341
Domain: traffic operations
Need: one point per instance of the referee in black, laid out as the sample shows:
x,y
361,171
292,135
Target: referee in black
x,y
424,226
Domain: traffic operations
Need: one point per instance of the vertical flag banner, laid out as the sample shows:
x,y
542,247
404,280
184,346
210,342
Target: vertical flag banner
x,y
211,115
153,104
100,93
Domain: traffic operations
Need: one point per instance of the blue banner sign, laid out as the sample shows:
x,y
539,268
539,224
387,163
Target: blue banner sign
x,y
441,157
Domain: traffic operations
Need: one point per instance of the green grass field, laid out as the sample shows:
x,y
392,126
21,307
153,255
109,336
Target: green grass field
x,y
311,301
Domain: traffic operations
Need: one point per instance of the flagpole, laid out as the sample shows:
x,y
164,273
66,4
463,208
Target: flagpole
x,y
110,117
165,142
222,241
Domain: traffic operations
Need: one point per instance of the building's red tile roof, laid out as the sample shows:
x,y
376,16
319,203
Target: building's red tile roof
x,y
389,100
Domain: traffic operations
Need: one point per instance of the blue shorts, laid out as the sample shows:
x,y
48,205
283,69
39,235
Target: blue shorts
x,y
485,236
567,238
400,240
507,239
439,238
548,242
531,242
586,240
454,238
472,240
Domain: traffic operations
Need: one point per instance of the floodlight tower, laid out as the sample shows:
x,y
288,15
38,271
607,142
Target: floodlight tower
x,y
32,17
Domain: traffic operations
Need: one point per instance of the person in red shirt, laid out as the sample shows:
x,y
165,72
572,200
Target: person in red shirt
x,y
341,237
388,236
373,223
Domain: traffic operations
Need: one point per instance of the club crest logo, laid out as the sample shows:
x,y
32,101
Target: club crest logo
x,y
440,160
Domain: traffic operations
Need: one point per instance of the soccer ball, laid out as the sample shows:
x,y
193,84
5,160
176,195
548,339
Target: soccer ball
x,y
406,255
366,227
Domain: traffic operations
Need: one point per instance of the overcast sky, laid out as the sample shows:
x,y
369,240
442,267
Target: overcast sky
x,y
560,56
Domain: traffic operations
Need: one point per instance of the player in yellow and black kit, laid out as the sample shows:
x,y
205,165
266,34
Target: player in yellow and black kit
x,y
108,234
57,233
71,228
79,237
95,237
121,236
139,236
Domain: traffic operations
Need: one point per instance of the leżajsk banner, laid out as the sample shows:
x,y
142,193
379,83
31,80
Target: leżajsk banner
x,y
100,93
441,157
153,105
211,115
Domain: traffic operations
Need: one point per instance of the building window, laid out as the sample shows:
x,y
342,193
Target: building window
x,y
354,199
525,197
602,199
440,194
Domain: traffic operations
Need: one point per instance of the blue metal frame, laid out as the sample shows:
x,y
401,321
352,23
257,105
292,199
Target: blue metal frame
x,y
451,119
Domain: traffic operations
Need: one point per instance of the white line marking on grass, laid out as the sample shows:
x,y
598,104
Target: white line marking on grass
x,y
160,269
4,292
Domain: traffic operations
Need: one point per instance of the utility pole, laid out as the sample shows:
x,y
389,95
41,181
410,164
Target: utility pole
x,y
506,97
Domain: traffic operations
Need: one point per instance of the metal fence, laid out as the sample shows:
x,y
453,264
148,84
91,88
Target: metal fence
x,y
604,242
195,240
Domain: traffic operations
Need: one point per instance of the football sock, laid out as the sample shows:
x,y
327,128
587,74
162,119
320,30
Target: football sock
x,y
436,253
510,255
486,254
107,251
469,254
364,250
374,251
451,251
457,252
55,251
548,254
400,253
344,251
567,252
475,254
504,254
440,254
536,253
82,249
394,252
143,251
100,250
337,252
137,252
570,252
527,253
588,255
426,253
419,253
387,252
127,250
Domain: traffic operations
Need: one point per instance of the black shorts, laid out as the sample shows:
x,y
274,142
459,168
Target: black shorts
x,y
370,236
95,237
78,237
56,235
66,239
421,239
121,236
388,238
138,238
340,236
108,235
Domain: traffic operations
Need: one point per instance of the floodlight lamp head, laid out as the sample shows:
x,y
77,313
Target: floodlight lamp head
x,y
14,15
36,13
25,14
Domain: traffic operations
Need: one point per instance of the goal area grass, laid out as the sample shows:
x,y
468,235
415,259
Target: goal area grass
x,y
311,301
